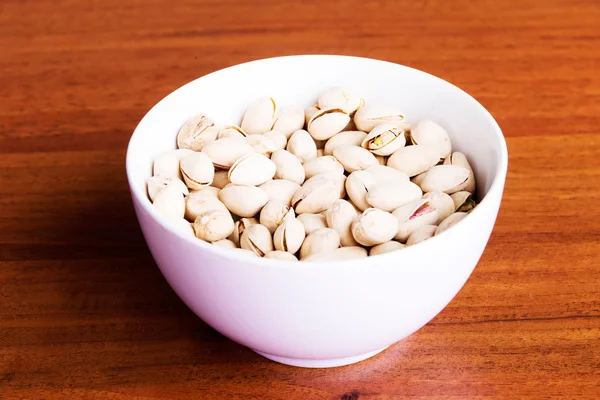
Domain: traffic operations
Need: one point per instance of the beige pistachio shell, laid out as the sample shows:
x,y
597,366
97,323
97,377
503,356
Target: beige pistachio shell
x,y
312,222
309,112
388,197
386,247
197,170
196,133
291,118
252,170
321,240
281,190
167,164
197,203
418,179
342,98
421,234
261,144
450,222
302,145
387,175
413,160
181,225
321,165
274,213
260,116
412,216
288,167
213,225
225,243
374,227
232,131
358,185
445,178
289,236
220,179
158,183
339,217
257,238
459,159
354,158
245,252
180,153
277,138
169,202
239,227
369,116
429,134
224,152
314,198
442,202
327,122
244,201
462,202
384,139
354,138
340,254
281,255
208,190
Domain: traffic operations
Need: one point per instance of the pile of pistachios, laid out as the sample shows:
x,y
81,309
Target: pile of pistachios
x,y
342,179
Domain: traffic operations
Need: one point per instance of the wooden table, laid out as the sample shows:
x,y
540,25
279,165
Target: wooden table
x,y
84,311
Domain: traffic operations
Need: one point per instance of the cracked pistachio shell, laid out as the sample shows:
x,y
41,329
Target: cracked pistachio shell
x,y
321,165
167,164
244,201
312,222
208,190
257,238
354,138
260,116
309,112
213,225
302,145
239,227
170,203
321,240
339,97
280,190
197,170
450,222
274,213
354,158
386,247
388,197
158,183
314,198
288,167
418,179
339,180
225,243
252,170
291,118
412,216
277,138
221,179
462,202
197,203
459,159
281,255
261,144
327,122
358,185
413,160
369,116
442,202
339,217
224,152
420,234
374,227
385,139
181,225
196,133
232,131
385,175
428,133
445,178
340,254
289,236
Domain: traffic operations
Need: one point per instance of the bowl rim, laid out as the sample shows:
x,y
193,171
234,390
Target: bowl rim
x,y
496,186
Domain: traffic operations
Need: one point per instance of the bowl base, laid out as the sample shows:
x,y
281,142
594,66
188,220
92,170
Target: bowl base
x,y
307,363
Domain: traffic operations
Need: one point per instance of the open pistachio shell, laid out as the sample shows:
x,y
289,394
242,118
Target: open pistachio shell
x,y
442,202
354,158
450,222
224,152
244,201
159,182
321,165
213,225
196,133
412,216
428,133
354,138
302,145
384,139
374,227
463,201
358,185
339,217
327,122
288,167
169,202
281,255
261,144
312,222
252,169
197,170
231,131
239,227
197,203
342,98
445,178
257,238
459,159
386,247
281,190
388,197
421,234
323,239
314,198
289,236
260,116
291,118
340,254
274,213
413,160
309,112
167,164
369,116
277,138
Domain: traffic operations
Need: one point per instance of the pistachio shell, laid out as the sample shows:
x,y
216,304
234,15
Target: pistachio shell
x,y
450,222
277,138
354,138
244,201
198,203
342,98
169,202
418,179
197,170
196,133
341,254
459,159
309,112
239,227
302,145
245,252
274,213
252,170
180,153
221,179
428,133
412,216
413,160
225,243
260,116
312,222
421,234
208,190
261,144
289,236
369,116
232,131
291,118
374,227
339,217
385,175
181,225
327,122
315,199
281,190
213,225
224,152
388,197
384,139
445,178
442,202
354,158
358,185
257,238
167,164
462,202
386,247
288,167
321,240
158,183
281,255
321,165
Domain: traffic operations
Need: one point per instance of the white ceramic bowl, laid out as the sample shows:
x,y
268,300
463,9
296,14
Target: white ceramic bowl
x,y
320,314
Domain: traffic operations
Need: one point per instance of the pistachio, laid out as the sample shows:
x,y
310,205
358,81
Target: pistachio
x,y
181,225
413,160
339,97
321,240
180,153
321,165
388,197
281,190
225,243
327,122
340,254
289,236
459,159
288,167
169,202
257,238
158,183
384,139
196,133
291,118
197,170
277,138
224,152
354,158
261,144
231,131
198,203
442,202
245,252
428,133
221,179
386,175
309,112
281,255
213,225
316,195
445,178
358,185
167,164
418,179
260,116
369,116
412,216
208,190
252,170
462,202
450,222
274,213
421,234
386,247
302,145
312,222
339,217
374,227
244,201
354,138
239,227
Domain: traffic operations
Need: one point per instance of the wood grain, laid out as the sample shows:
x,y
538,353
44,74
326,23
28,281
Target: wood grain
x,y
85,313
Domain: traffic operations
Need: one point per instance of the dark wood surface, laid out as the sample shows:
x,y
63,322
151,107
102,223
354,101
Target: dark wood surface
x,y
84,311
